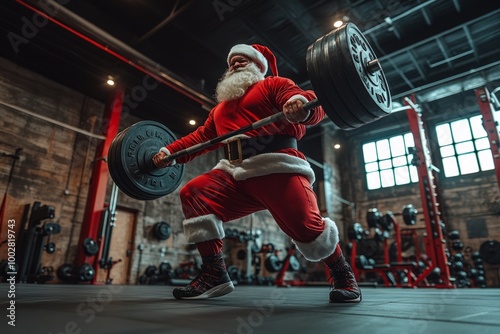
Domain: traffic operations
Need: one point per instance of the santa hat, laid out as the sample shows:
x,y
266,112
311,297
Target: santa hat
x,y
258,53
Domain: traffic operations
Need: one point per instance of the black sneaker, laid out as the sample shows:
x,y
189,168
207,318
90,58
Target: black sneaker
x,y
344,286
211,281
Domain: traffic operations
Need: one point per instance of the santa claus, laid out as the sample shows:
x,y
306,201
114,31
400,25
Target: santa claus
x,y
262,170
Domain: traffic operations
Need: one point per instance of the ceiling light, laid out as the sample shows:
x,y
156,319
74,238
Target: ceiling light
x,y
336,146
192,122
338,23
111,80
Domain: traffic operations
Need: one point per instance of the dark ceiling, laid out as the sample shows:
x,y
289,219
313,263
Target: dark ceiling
x,y
438,49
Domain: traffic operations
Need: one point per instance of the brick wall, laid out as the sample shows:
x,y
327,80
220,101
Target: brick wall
x,y
464,200
55,169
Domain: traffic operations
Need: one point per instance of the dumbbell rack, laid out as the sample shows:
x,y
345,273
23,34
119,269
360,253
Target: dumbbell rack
x,y
387,268
434,242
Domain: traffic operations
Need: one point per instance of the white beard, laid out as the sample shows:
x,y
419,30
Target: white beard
x,y
233,85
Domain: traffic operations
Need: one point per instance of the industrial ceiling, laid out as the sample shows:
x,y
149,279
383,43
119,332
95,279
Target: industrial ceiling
x,y
438,49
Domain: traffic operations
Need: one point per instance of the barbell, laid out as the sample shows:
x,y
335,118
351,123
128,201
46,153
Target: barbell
x,y
345,75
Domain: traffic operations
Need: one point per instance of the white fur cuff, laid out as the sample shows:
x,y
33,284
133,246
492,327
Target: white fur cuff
x,y
167,152
304,101
203,228
323,246
298,97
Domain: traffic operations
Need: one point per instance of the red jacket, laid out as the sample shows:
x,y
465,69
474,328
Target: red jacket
x,y
263,99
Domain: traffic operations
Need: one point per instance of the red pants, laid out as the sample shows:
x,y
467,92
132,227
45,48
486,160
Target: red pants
x,y
288,197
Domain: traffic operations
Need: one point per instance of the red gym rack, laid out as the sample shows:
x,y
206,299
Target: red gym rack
x,y
490,125
434,241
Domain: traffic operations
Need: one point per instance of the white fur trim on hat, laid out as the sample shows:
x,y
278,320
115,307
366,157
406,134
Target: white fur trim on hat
x,y
248,50
323,246
265,164
203,228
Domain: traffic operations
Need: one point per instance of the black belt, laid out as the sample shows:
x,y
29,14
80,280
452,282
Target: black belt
x,y
239,149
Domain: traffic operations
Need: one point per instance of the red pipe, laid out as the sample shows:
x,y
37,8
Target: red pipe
x,y
99,180
171,82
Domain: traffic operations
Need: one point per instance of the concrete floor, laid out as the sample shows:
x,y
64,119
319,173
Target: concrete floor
x,y
80,309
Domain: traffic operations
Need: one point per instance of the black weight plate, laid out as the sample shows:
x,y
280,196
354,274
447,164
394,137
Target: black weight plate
x,y
373,217
454,235
143,279
339,70
51,228
335,106
373,89
165,268
114,166
387,221
490,252
368,247
314,71
150,271
162,230
338,87
65,272
234,273
116,170
120,173
273,264
86,272
293,264
355,232
130,161
50,247
409,215
90,247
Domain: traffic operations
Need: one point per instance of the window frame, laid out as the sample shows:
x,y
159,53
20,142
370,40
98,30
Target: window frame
x,y
412,175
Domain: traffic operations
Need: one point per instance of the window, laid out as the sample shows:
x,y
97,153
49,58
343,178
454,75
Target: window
x,y
464,147
387,162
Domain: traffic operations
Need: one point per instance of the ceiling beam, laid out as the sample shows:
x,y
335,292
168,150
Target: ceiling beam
x,y
398,17
416,64
441,34
279,53
173,14
471,42
300,18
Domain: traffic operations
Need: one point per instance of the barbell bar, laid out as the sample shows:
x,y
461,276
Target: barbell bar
x,y
345,75
256,125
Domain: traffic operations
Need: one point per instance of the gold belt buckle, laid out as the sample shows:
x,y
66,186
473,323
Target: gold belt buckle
x,y
240,156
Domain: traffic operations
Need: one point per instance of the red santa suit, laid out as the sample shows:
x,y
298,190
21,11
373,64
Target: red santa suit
x,y
278,181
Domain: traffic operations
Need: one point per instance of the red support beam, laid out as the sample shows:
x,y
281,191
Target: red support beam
x,y
491,126
435,242
99,179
